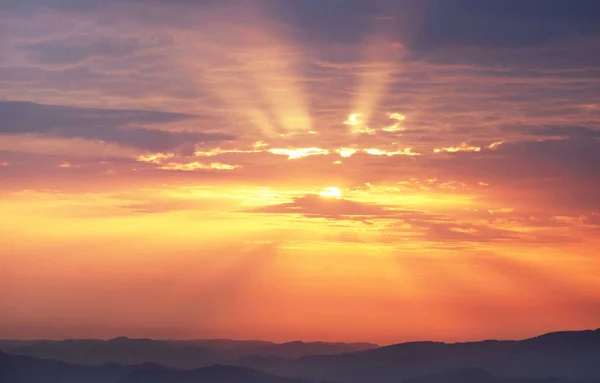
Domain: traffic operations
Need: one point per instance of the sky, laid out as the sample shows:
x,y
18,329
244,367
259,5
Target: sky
x,y
335,170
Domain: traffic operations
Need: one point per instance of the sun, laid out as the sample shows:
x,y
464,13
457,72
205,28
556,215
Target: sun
x,y
331,192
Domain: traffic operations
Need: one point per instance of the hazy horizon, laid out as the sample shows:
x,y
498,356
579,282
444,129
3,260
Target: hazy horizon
x,y
305,341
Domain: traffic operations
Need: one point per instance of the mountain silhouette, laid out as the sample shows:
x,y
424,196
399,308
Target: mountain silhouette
x,y
475,375
180,354
26,369
213,374
560,357
566,355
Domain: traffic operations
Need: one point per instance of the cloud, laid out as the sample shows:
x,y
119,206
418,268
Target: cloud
x,y
315,206
400,223
433,24
69,51
566,131
123,127
512,23
159,206
463,147
454,231
193,166
544,87
571,158
299,153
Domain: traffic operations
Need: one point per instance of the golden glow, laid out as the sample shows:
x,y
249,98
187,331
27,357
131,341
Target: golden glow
x,y
299,153
188,239
380,152
397,116
357,123
502,210
396,126
393,128
155,158
462,148
191,166
346,152
354,119
257,148
259,145
364,130
210,153
331,192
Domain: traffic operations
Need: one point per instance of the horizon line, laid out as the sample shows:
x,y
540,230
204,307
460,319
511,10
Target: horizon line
x,y
377,345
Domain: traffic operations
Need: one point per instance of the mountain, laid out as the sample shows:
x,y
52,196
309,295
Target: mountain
x,y
298,349
180,354
26,369
214,374
474,375
565,355
560,357
119,350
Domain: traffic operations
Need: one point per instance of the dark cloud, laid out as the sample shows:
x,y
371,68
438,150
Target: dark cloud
x,y
419,24
577,10
315,206
570,158
430,227
69,51
573,156
457,232
566,131
28,5
315,19
558,175
430,24
124,127
510,23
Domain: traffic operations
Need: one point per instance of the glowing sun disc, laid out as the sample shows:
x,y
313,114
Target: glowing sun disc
x,y
331,192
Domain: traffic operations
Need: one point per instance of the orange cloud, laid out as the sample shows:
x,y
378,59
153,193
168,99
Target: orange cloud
x,y
191,166
299,153
156,158
381,152
464,147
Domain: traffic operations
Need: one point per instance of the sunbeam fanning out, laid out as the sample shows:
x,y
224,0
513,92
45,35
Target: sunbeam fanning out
x,y
381,62
316,170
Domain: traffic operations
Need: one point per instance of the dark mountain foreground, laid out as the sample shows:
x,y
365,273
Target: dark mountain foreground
x,y
188,354
214,374
481,376
26,369
566,355
562,357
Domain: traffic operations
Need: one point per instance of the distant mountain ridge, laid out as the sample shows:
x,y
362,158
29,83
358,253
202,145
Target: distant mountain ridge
x,y
475,375
26,369
560,357
186,354
566,355
213,374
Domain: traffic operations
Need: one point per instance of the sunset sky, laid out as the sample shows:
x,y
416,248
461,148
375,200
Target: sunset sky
x,y
335,170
